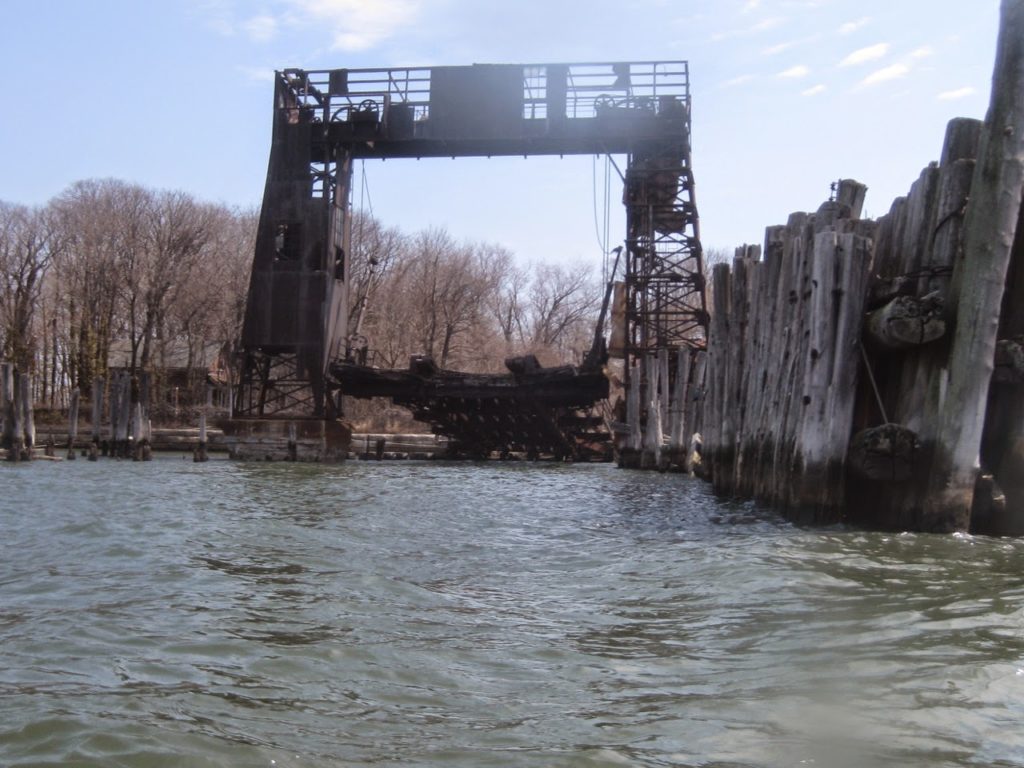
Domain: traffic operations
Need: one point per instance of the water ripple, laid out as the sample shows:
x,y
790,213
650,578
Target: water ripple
x,y
485,615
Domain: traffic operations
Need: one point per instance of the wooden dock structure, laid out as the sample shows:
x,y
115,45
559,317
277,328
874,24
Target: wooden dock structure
x,y
872,371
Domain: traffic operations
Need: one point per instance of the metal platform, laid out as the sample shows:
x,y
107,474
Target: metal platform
x,y
296,334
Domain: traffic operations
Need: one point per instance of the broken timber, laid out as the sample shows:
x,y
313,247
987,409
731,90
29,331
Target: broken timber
x,y
540,412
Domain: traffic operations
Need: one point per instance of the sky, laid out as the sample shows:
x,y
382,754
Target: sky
x,y
788,96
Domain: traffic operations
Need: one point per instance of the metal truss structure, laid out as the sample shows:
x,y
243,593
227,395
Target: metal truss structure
x,y
296,318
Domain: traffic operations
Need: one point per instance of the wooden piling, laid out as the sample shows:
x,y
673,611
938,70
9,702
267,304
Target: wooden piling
x,y
7,405
28,417
114,415
98,386
650,457
694,409
990,224
72,423
679,430
201,454
16,451
137,432
629,456
144,441
293,444
664,379
126,415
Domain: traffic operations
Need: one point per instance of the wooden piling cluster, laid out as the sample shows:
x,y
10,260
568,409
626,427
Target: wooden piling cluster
x,y
782,359
120,425
663,412
874,371
18,434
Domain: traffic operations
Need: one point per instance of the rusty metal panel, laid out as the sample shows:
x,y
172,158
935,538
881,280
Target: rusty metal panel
x,y
484,101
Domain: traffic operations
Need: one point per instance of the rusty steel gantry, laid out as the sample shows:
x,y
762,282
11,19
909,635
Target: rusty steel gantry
x,y
295,323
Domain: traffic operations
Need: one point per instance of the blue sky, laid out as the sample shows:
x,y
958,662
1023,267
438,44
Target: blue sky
x,y
788,95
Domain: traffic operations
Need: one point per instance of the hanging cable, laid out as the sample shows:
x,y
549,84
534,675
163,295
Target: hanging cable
x,y
607,213
874,384
597,226
362,192
366,190
602,224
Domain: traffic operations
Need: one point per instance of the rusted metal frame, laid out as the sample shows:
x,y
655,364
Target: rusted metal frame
x,y
647,80
271,385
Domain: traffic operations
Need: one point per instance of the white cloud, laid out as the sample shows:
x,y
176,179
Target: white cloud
x,y
892,72
959,93
852,26
793,72
764,24
761,26
814,90
357,25
772,50
739,80
750,5
864,55
922,53
261,28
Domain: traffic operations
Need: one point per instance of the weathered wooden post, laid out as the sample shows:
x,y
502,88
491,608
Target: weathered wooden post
x,y
989,228
97,418
630,456
650,458
716,411
126,414
144,444
678,426
28,417
694,407
293,444
7,405
17,448
137,432
664,396
114,415
201,454
72,423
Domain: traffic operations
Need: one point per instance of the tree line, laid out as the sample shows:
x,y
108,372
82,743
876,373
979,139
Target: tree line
x,y
467,305
110,273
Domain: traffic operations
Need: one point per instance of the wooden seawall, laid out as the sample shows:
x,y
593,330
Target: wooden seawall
x,y
874,370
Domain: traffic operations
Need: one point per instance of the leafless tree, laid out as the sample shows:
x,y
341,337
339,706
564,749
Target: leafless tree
x,y
28,245
563,306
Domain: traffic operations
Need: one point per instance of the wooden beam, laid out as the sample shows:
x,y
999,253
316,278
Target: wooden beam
x,y
989,227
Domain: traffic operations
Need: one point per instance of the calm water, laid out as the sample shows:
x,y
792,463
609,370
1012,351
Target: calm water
x,y
173,614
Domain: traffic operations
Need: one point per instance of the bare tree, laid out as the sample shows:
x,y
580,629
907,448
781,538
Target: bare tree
x,y
86,277
210,308
563,305
508,299
375,251
28,245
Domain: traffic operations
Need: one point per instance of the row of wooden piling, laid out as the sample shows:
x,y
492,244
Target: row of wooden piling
x,y
783,355
873,370
663,411
18,435
130,434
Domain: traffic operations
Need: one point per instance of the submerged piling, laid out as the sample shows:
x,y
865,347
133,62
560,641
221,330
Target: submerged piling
x,y
72,423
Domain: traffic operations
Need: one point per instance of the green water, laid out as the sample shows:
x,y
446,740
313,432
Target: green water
x,y
179,614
